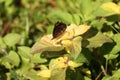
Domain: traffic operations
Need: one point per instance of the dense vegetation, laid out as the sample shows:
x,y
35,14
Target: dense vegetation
x,y
89,51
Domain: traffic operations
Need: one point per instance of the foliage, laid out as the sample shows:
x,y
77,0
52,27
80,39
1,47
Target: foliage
x,y
87,50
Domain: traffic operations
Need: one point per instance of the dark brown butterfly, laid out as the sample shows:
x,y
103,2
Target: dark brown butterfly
x,y
59,29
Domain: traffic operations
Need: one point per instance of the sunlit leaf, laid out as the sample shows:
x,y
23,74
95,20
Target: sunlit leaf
x,y
14,57
46,44
58,63
24,52
45,73
11,39
111,7
37,59
58,74
11,60
73,46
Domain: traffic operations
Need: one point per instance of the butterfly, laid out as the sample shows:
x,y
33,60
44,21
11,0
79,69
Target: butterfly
x,y
59,29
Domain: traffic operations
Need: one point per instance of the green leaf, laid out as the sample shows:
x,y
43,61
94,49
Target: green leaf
x,y
24,52
73,46
8,2
101,12
13,56
76,19
11,60
37,59
11,39
59,15
32,75
98,40
26,65
85,56
115,76
58,74
2,44
87,8
113,54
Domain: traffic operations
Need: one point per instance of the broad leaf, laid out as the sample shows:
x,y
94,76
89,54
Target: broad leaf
x,y
11,60
37,59
24,52
73,46
11,39
46,44
58,74
98,40
113,54
111,7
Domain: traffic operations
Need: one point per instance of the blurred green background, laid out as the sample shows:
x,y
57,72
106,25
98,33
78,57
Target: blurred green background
x,y
23,22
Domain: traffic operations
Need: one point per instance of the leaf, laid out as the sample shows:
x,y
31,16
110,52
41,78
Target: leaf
x,y
59,15
11,60
74,31
37,59
13,56
8,2
2,44
87,9
113,54
45,73
58,63
76,18
84,57
115,76
58,74
12,39
98,40
111,7
24,52
32,75
101,12
45,44
73,46
26,65
81,29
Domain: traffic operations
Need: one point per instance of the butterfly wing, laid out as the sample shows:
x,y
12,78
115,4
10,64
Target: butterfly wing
x,y
59,29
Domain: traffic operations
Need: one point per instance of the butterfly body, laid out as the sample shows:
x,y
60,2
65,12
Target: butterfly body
x,y
59,29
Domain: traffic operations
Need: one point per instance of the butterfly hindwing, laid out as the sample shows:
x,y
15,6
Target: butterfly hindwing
x,y
59,29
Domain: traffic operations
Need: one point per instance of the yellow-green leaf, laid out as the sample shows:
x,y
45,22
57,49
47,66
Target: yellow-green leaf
x,y
111,7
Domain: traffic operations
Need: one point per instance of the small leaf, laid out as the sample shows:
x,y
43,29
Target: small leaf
x,y
111,7
58,63
37,59
76,19
98,40
45,73
113,54
2,44
73,46
24,52
11,60
26,65
59,15
11,39
13,56
58,74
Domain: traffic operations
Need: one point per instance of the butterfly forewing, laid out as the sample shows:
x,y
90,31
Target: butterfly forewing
x,y
59,29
